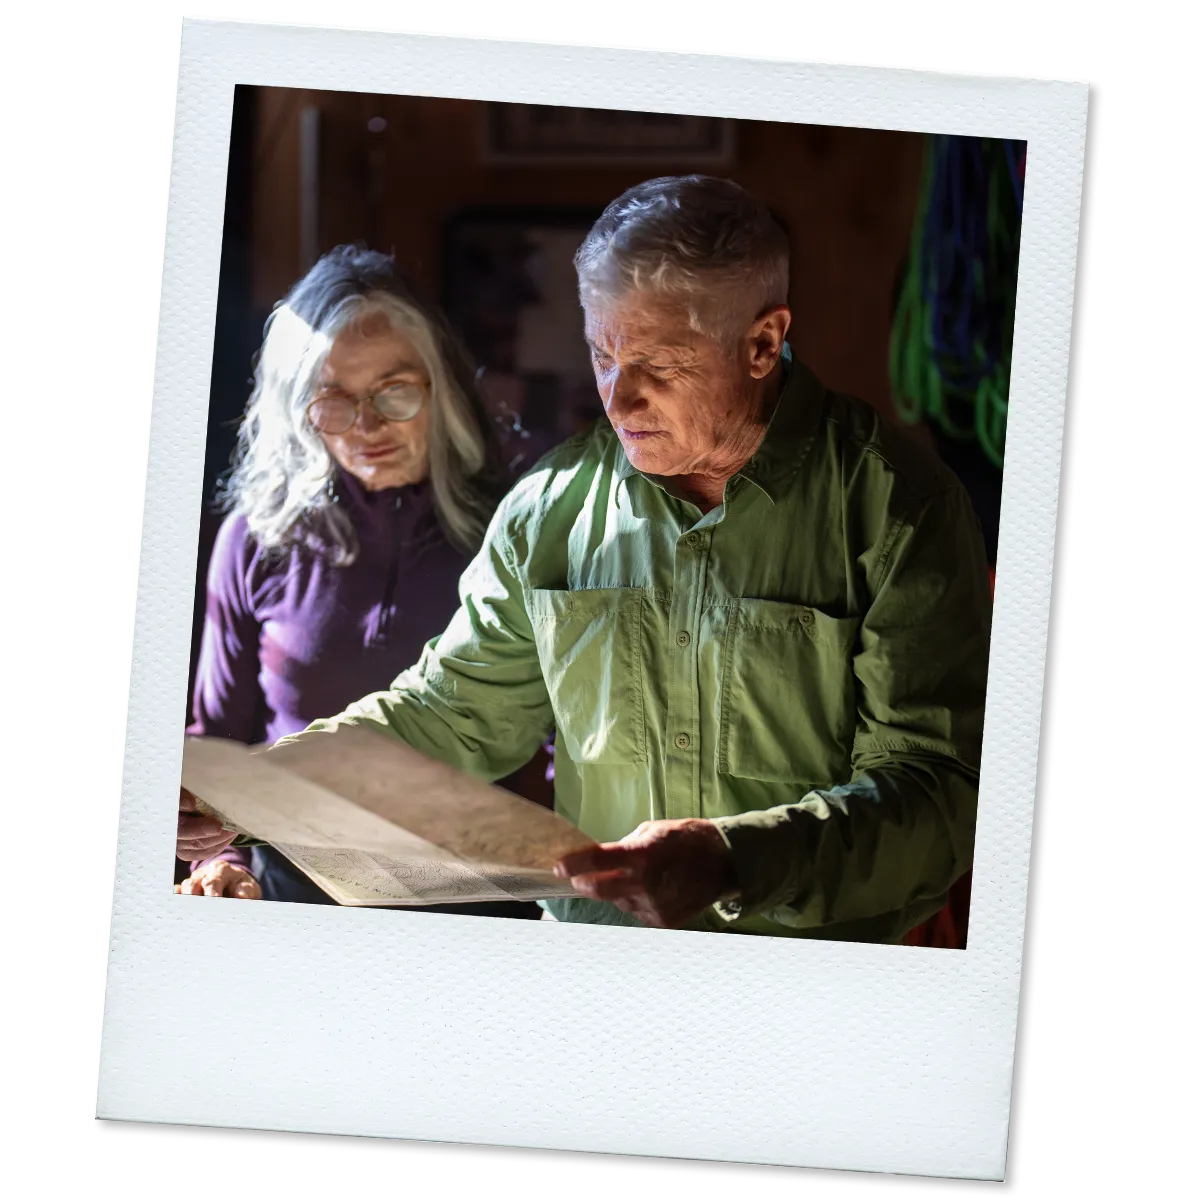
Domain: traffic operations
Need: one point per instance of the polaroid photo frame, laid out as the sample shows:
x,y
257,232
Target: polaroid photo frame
x,y
579,1037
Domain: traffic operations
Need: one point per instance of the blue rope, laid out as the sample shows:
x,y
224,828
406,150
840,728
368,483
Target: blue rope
x,y
952,340
960,250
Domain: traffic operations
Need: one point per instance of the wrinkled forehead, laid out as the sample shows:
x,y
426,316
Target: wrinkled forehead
x,y
369,349
641,323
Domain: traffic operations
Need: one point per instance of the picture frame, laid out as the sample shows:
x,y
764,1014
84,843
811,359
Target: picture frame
x,y
551,135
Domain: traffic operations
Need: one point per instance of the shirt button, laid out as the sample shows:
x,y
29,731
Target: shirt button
x,y
682,741
683,638
692,539
806,617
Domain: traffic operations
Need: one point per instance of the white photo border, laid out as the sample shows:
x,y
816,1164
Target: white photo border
x,y
537,1034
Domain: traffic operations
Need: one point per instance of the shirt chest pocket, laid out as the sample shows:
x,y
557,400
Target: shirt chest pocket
x,y
788,708
589,643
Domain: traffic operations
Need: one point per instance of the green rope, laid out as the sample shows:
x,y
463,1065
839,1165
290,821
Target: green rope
x,y
950,350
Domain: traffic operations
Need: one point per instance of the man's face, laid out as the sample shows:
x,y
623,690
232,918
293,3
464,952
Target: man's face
x,y
675,397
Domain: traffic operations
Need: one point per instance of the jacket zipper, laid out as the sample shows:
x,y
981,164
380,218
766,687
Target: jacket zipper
x,y
386,603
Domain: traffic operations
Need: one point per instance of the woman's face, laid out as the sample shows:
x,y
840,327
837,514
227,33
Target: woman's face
x,y
364,359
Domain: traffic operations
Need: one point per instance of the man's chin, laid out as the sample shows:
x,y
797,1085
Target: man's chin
x,y
652,457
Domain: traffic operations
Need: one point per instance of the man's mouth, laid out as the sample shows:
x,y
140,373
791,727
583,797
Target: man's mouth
x,y
638,435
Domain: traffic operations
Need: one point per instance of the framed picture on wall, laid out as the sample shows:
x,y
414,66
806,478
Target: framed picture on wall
x,y
509,288
529,134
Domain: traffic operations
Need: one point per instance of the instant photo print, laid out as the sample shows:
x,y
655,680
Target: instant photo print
x,y
594,595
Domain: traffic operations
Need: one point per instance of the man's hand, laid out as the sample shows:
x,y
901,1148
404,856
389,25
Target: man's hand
x,y
664,872
198,836
221,878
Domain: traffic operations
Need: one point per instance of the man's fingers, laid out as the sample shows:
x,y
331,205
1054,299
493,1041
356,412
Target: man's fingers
x,y
187,801
246,889
212,839
610,856
199,837
189,847
196,826
193,852
610,885
637,834
207,836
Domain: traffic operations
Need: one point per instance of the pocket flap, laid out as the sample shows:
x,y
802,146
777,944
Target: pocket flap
x,y
778,616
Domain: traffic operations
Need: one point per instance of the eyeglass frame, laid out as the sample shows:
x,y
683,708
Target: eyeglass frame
x,y
371,398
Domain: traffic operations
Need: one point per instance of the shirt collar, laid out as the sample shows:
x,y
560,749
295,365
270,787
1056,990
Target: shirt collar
x,y
789,437
624,468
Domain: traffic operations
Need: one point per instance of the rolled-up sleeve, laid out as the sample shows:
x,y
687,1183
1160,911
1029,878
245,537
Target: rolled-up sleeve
x,y
901,829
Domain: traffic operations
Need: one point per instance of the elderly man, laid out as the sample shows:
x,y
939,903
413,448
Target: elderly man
x,y
757,616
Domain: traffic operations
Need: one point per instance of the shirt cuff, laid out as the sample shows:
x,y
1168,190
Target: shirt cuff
x,y
765,861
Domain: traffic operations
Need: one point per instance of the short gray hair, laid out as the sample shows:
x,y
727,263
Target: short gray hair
x,y
695,238
282,471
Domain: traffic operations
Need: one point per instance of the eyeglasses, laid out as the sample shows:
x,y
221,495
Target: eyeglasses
x,y
338,414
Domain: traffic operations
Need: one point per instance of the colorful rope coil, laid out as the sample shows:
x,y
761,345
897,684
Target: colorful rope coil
x,y
951,345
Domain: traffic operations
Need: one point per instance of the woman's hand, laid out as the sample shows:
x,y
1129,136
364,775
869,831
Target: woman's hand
x,y
221,878
198,836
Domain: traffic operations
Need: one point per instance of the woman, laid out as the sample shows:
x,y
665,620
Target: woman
x,y
365,475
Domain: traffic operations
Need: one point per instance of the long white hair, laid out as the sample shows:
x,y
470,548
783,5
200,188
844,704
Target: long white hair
x,y
282,474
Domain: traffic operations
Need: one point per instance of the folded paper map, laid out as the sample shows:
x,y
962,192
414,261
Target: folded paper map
x,y
372,821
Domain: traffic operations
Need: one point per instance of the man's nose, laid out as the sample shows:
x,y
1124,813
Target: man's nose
x,y
620,394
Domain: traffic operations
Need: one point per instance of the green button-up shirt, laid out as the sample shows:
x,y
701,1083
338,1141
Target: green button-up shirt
x,y
805,664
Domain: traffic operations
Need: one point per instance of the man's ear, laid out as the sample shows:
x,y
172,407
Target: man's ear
x,y
766,337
